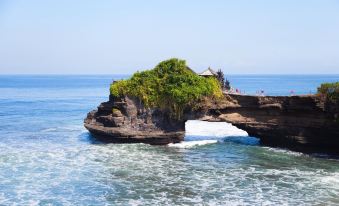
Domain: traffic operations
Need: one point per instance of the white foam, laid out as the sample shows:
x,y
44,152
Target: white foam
x,y
200,133
49,130
331,179
200,129
65,128
284,151
190,144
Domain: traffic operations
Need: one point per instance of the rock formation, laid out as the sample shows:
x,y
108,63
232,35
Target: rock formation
x,y
126,120
303,123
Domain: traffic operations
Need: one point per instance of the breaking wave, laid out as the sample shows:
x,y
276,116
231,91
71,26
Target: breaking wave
x,y
48,158
189,144
196,129
200,133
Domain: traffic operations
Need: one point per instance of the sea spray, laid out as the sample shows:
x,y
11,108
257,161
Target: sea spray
x,y
200,133
196,129
189,144
66,167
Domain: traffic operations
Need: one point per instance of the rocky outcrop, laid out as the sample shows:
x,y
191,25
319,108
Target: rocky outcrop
x,y
126,120
303,123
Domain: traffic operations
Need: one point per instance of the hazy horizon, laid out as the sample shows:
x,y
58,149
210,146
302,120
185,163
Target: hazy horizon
x,y
129,74
110,37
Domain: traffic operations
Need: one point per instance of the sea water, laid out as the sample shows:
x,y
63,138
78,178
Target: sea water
x,y
48,158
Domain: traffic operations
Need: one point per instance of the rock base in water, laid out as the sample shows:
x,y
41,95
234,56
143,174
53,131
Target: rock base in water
x,y
302,123
125,120
124,135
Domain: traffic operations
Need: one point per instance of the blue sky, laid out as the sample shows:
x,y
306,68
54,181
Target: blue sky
x,y
111,37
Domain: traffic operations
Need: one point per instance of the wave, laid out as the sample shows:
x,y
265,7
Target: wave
x,y
190,144
331,179
64,128
198,129
284,151
200,133
49,130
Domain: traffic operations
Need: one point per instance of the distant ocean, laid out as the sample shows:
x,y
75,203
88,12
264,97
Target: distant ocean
x,y
48,158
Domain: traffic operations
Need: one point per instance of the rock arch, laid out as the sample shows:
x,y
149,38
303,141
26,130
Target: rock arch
x,y
303,123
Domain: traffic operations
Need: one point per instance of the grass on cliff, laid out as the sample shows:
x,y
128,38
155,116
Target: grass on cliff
x,y
330,90
170,85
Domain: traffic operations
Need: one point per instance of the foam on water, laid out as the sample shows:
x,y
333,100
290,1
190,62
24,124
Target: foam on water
x,y
201,129
49,130
190,144
47,158
200,133
284,151
69,128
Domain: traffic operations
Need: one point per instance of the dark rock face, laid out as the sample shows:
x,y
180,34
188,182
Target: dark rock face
x,y
303,123
126,120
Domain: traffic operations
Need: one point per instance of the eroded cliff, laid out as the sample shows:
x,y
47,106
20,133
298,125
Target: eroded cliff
x,y
303,123
126,120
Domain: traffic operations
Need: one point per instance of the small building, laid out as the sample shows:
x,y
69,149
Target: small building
x,y
208,73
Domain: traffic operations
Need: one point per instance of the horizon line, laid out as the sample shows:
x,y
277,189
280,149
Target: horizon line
x,y
99,74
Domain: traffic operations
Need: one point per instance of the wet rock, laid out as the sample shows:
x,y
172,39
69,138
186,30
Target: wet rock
x,y
116,113
303,123
300,123
129,121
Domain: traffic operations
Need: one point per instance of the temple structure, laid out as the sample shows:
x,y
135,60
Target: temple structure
x,y
208,73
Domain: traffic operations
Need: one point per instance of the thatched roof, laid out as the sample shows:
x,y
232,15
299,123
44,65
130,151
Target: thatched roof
x,y
208,72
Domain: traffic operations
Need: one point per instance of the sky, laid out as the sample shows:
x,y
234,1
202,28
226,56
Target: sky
x,y
121,37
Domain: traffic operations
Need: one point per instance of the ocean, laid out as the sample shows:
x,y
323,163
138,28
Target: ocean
x,y
47,157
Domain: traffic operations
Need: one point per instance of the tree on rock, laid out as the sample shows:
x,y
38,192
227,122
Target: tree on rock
x,y
221,78
171,85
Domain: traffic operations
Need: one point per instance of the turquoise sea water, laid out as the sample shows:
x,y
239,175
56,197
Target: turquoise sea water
x,y
48,158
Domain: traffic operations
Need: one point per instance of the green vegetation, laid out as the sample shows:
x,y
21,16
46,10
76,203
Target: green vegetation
x,y
114,110
170,85
330,90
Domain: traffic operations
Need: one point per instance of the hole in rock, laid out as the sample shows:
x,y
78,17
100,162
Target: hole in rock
x,y
202,132
196,129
